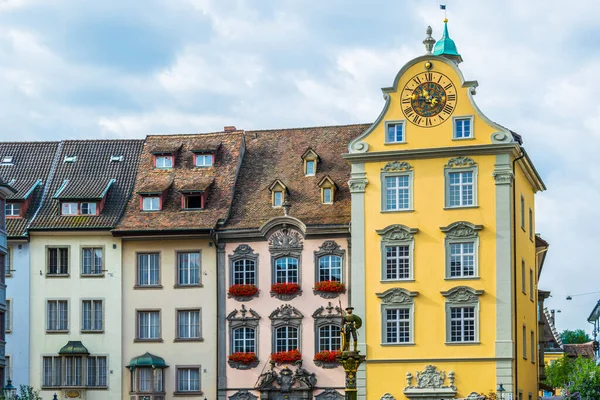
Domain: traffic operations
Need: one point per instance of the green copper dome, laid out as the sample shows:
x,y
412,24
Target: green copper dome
x,y
147,360
446,46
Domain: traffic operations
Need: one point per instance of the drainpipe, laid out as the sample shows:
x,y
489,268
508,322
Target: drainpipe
x,y
514,238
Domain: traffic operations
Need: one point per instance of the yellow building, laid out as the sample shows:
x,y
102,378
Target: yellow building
x,y
443,233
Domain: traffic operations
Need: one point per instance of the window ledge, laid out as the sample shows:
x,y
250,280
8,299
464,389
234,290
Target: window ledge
x,y
460,207
91,331
96,387
408,210
193,209
149,211
57,332
462,343
393,143
148,287
188,393
398,344
463,138
138,340
8,331
57,275
178,286
183,340
396,280
8,275
462,278
92,275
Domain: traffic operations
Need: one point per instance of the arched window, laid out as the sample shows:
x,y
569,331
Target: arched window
x,y
286,270
244,272
329,338
330,268
286,338
244,340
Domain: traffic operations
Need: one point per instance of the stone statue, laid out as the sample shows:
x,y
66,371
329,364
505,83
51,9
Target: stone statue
x,y
351,323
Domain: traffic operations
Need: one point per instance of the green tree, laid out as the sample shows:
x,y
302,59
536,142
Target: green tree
x,y
559,372
28,393
574,337
579,378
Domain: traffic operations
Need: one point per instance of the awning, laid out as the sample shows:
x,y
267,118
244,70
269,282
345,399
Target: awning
x,y
146,360
73,348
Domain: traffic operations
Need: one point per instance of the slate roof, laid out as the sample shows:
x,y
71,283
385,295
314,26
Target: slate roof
x,y
86,179
32,163
585,350
219,178
277,154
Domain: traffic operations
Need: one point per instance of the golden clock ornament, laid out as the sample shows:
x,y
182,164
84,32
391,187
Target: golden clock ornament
x,y
428,99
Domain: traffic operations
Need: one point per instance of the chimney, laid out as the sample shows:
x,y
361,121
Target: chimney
x,y
552,317
229,128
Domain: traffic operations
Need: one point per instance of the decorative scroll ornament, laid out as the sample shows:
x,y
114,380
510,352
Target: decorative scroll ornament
x,y
241,317
287,381
461,230
462,294
243,395
395,166
397,232
286,312
328,247
430,377
329,394
387,396
285,240
328,312
430,384
397,296
359,147
460,162
243,250
357,185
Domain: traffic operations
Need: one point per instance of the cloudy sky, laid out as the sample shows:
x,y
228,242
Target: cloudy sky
x,y
123,69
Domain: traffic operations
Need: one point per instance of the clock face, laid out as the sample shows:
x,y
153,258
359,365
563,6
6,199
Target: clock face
x,y
428,99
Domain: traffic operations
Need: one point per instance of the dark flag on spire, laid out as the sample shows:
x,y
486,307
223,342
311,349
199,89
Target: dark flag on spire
x,y
442,6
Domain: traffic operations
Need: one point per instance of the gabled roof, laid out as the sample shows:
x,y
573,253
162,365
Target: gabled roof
x,y
93,176
277,154
551,338
185,176
585,350
27,174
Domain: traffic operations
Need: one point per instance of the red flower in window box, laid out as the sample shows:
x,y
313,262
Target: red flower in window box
x,y
243,290
330,286
328,355
243,358
285,288
286,357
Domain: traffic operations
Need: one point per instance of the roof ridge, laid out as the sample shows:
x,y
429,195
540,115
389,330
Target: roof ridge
x,y
175,135
46,185
309,127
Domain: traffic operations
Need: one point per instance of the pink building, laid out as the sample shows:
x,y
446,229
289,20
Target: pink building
x,y
283,262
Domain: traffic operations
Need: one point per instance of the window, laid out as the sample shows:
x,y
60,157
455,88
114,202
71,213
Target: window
x,y
244,340
88,208
463,128
147,380
461,189
91,261
286,270
163,161
69,208
92,316
286,338
397,262
7,317
58,261
193,201
329,338
244,272
3,272
397,245
52,371
151,203
524,342
57,315
13,209
397,325
148,325
8,262
277,199
73,371
188,268
327,196
531,280
7,369
523,278
188,324
462,324
530,224
188,379
96,368
148,269
522,212
532,346
395,133
2,325
397,193
203,160
330,268
310,167
462,314
462,259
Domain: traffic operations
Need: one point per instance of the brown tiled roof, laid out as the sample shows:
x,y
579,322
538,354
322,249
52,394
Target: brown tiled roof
x,y
585,350
208,145
155,183
164,148
32,162
197,184
277,154
183,174
86,178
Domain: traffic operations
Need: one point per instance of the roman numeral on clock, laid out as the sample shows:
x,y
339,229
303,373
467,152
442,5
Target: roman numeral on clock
x,y
405,101
417,119
448,86
448,109
427,121
451,97
428,76
408,111
417,80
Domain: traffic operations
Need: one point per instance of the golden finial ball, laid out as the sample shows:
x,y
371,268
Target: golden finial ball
x,y
445,20
428,65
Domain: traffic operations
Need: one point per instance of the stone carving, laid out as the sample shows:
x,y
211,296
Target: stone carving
x,y
461,230
397,232
462,294
409,379
387,396
451,378
329,247
430,377
329,394
395,166
243,250
326,364
328,312
285,239
359,147
460,162
286,297
288,381
430,384
475,396
243,395
397,296
241,318
357,185
501,137
503,177
286,313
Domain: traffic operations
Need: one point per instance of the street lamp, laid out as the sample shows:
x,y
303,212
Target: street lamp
x,y
9,391
500,391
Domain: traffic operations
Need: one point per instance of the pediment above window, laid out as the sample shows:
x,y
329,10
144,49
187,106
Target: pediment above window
x,y
396,166
243,317
460,162
397,232
397,296
461,229
287,313
462,294
329,312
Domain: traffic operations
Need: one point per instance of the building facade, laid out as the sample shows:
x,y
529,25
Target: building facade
x,y
75,270
283,260
443,233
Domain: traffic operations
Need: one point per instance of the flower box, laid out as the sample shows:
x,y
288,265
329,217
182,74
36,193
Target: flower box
x,y
328,355
243,358
242,290
330,287
286,357
285,288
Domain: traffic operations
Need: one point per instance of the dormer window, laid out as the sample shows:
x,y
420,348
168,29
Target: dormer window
x,y
193,201
163,161
70,159
311,160
278,193
116,158
13,210
7,160
203,160
78,208
88,208
151,203
69,208
328,188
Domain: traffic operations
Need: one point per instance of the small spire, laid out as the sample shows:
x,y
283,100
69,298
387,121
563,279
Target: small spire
x,y
446,47
429,41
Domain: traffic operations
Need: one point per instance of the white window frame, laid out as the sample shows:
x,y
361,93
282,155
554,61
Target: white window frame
x,y
314,167
393,236
96,305
89,206
402,124
458,233
456,120
151,203
461,297
12,209
185,268
95,269
523,277
8,317
57,327
397,189
393,299
162,160
69,208
330,337
59,265
408,320
148,334
203,160
277,198
244,272
327,196
523,213
462,255
463,320
287,270
287,338
8,262
56,371
187,369
244,341
94,359
326,263
148,270
188,327
462,186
